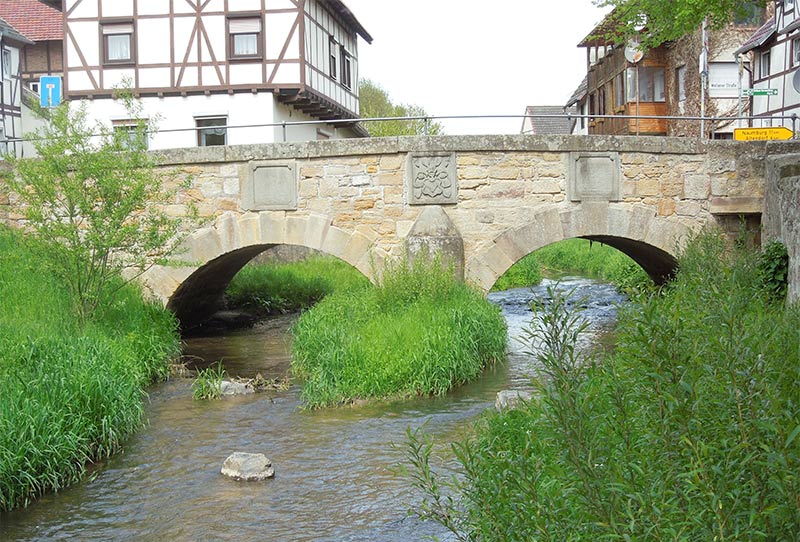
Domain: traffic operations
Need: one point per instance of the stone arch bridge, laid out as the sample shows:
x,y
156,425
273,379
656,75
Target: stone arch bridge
x,y
485,201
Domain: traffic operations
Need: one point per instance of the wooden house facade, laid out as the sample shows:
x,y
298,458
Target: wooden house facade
x,y
666,82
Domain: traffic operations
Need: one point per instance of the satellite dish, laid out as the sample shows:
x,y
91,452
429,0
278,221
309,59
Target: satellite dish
x,y
796,80
633,53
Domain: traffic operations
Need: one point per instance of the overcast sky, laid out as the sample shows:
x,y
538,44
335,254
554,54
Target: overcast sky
x,y
472,57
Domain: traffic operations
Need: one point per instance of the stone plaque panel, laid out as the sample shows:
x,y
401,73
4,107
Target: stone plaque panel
x,y
431,178
270,185
594,176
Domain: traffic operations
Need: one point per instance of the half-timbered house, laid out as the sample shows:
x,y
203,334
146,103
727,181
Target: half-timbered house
x,y
776,67
216,72
11,43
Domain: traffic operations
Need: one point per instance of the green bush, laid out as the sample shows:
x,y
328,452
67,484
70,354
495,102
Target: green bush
x,y
690,430
69,393
418,332
773,269
277,288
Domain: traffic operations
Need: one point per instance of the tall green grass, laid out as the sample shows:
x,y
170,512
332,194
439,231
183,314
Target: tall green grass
x,y
69,395
418,332
689,431
575,256
286,287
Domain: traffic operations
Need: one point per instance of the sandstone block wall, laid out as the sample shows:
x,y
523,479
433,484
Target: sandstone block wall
x,y
782,210
514,195
503,181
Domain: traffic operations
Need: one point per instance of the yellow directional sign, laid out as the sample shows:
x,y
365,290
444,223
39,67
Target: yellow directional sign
x,y
762,134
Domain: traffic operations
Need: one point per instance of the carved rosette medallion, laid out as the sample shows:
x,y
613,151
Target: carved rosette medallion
x,y
431,178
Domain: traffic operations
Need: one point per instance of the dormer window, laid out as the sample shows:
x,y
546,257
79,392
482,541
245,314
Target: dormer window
x,y
117,43
245,37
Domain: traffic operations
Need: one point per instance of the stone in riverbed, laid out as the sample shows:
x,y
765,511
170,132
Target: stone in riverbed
x,y
226,387
508,399
248,467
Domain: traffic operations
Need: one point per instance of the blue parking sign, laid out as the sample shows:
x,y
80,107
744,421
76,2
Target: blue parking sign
x,y
50,91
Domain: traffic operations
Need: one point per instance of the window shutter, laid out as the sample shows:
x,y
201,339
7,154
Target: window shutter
x,y
244,26
125,28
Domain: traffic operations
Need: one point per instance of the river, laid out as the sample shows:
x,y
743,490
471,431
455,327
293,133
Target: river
x,y
335,468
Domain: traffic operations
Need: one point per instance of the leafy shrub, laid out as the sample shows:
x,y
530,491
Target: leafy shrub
x,y
773,269
418,332
690,430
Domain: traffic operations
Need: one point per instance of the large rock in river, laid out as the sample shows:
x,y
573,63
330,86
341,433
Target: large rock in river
x,y
227,387
248,467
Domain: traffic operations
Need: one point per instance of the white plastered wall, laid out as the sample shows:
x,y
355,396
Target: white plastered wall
x,y
244,109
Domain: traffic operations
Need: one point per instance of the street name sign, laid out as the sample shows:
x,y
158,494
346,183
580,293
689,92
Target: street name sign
x,y
759,92
762,134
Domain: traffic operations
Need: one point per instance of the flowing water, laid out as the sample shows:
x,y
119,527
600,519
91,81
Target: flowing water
x,y
335,478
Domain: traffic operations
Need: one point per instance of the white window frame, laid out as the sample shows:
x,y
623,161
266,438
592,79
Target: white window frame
x,y
130,126
246,26
788,5
346,68
7,60
221,123
333,62
764,61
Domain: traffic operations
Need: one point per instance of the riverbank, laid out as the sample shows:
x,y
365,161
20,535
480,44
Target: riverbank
x,y
690,428
70,395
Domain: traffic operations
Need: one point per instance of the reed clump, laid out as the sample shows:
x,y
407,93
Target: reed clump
x,y
70,392
418,332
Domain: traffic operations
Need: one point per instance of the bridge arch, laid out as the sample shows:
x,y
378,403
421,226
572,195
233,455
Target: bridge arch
x,y
214,254
650,240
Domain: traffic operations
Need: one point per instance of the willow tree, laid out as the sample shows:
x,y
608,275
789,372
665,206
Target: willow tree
x,y
94,199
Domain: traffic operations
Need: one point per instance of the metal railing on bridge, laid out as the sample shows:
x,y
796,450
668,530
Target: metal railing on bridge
x,y
424,123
